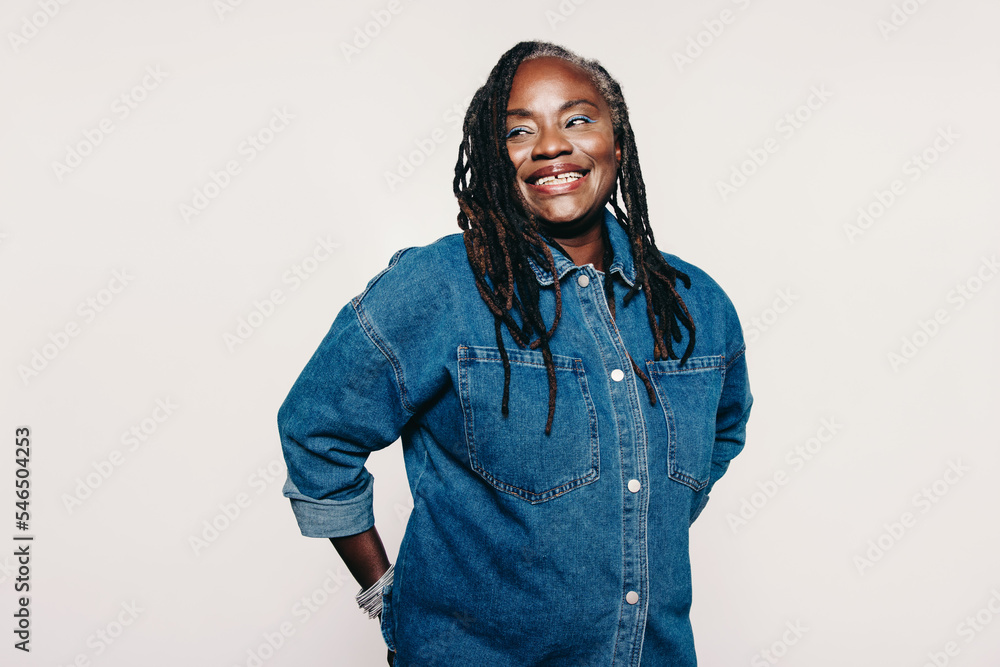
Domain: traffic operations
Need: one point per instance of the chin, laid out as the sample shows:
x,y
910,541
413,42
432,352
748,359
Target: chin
x,y
559,216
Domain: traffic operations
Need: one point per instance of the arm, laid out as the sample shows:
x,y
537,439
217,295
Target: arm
x,y
334,416
355,396
730,424
344,405
364,556
347,402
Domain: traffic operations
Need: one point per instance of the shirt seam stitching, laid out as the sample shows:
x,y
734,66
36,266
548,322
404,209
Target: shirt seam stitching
x,y
739,353
372,334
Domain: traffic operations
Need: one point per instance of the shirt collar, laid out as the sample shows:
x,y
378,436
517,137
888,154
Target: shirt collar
x,y
620,245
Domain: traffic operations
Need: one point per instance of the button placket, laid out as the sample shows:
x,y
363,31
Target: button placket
x,y
624,388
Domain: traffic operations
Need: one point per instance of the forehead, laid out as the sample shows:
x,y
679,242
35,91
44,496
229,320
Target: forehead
x,y
551,77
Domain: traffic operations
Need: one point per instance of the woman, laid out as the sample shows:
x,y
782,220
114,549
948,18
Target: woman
x,y
562,423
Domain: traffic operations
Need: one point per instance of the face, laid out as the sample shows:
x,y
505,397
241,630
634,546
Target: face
x,y
562,142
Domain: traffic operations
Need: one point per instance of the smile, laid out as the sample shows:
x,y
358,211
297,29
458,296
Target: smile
x,y
559,179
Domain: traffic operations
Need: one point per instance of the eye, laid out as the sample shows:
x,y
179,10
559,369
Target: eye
x,y
516,132
579,120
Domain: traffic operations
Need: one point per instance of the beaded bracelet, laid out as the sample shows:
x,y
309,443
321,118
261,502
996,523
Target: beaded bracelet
x,y
370,600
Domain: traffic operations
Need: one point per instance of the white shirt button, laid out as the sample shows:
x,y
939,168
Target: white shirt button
x,y
634,485
583,280
631,597
617,375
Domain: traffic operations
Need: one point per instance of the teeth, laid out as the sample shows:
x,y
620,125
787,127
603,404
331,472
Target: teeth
x,y
567,177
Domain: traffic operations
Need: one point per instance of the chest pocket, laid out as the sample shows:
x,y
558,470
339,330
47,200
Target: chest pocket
x,y
513,453
689,397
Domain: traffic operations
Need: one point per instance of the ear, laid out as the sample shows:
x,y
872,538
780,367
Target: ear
x,y
618,152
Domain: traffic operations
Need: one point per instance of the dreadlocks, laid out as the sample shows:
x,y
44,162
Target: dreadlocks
x,y
502,234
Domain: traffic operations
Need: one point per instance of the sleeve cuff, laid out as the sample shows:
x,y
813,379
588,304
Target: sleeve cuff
x,y
332,518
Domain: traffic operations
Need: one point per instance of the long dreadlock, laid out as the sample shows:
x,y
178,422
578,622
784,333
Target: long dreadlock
x,y
502,234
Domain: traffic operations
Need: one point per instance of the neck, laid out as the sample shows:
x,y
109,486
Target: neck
x,y
584,248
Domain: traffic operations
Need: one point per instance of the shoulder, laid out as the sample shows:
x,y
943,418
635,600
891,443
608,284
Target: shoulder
x,y
711,308
434,268
703,286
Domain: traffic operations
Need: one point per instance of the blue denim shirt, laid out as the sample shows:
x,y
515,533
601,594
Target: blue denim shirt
x,y
522,549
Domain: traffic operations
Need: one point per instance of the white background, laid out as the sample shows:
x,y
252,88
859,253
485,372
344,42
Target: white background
x,y
808,552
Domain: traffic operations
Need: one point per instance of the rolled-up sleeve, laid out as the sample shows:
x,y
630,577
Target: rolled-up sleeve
x,y
345,404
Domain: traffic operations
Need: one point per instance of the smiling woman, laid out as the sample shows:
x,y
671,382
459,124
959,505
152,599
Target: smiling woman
x,y
556,445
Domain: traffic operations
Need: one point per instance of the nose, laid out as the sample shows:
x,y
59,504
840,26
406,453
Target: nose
x,y
551,142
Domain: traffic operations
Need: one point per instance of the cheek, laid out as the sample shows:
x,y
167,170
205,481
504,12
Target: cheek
x,y
516,154
602,151
604,155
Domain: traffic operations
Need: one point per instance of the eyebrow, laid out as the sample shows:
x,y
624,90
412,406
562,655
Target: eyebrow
x,y
525,113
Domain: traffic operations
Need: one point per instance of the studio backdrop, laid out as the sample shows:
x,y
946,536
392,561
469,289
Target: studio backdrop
x,y
192,189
